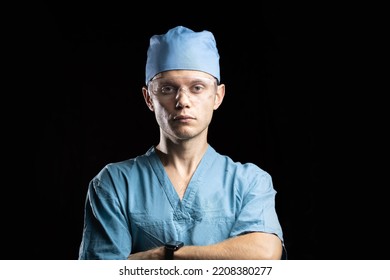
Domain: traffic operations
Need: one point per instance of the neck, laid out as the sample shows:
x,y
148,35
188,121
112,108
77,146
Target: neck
x,y
181,156
188,151
180,162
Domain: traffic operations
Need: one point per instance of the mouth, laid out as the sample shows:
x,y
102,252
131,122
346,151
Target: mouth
x,y
183,118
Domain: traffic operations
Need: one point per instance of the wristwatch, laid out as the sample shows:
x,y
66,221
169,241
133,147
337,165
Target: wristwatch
x,y
171,247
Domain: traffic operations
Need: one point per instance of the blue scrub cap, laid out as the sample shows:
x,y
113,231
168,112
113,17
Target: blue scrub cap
x,y
182,49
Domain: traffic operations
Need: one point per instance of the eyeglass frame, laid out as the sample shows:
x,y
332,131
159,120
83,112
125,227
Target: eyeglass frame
x,y
191,86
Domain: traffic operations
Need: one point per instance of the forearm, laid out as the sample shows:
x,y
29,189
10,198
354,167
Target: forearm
x,y
248,246
251,246
152,254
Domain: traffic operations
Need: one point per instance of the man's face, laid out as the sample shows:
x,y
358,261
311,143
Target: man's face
x,y
184,102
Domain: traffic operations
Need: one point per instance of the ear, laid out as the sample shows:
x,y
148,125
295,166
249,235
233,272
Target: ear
x,y
219,96
147,98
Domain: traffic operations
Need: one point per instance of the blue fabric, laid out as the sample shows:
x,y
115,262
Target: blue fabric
x,y
182,49
132,206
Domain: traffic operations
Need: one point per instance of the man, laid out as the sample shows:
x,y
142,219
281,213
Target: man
x,y
181,199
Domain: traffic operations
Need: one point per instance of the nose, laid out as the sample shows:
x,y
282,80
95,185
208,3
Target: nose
x,y
182,98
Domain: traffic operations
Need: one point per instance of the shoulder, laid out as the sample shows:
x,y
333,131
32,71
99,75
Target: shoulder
x,y
123,170
244,168
244,173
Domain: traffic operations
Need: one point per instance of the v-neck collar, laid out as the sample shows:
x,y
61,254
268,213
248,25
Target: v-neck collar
x,y
193,186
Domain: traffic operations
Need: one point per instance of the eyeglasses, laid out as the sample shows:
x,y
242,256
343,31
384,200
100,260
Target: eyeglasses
x,y
169,87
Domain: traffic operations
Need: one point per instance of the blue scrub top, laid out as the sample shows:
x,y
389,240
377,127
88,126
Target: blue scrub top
x,y
132,206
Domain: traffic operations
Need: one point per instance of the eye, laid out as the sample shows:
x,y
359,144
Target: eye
x,y
168,89
197,88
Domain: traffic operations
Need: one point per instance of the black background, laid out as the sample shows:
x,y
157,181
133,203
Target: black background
x,y
81,68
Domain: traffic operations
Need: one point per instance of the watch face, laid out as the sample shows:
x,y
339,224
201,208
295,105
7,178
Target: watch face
x,y
174,245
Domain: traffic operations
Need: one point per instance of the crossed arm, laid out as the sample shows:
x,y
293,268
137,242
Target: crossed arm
x,y
250,246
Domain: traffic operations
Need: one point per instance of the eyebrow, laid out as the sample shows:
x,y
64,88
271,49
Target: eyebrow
x,y
191,79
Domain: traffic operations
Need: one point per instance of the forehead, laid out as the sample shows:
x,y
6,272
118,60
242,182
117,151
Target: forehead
x,y
183,73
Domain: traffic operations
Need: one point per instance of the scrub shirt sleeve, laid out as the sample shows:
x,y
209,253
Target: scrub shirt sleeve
x,y
105,234
257,207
